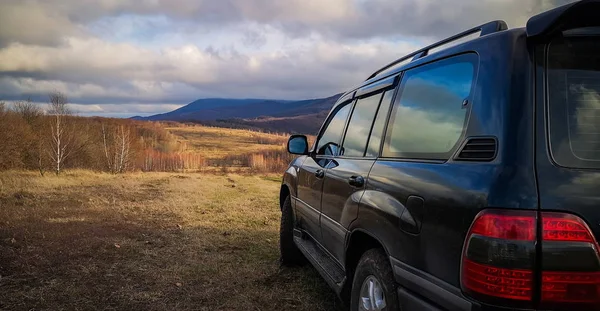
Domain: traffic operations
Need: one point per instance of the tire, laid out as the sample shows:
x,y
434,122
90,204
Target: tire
x,y
290,254
374,265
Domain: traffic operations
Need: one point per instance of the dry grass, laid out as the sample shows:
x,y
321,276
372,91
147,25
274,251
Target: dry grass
x,y
147,241
217,143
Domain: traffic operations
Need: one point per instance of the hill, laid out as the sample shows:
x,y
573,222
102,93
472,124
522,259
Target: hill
x,y
303,116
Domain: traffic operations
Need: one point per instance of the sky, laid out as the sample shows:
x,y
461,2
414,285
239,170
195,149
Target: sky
x,y
121,58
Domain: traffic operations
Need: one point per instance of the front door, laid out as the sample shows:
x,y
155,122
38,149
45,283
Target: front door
x,y
312,172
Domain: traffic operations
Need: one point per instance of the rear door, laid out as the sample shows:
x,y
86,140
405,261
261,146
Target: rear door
x,y
312,172
415,200
568,123
346,177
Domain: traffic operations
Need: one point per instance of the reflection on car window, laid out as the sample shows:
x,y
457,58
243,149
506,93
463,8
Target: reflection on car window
x,y
574,101
329,141
359,126
378,126
429,115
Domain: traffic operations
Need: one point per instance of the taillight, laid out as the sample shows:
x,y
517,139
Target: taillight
x,y
499,261
570,263
499,257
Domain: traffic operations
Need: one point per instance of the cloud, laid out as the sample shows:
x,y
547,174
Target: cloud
x,y
129,52
90,67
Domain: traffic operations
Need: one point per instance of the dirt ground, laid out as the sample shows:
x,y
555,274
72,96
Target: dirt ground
x,y
147,241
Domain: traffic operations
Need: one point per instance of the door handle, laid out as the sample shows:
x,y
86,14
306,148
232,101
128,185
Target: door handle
x,y
320,174
356,181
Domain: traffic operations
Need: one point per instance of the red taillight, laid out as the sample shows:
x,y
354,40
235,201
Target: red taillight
x,y
500,259
579,287
566,239
565,227
503,226
497,282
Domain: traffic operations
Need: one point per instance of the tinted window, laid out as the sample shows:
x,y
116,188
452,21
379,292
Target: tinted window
x,y
330,139
378,126
359,127
574,101
429,116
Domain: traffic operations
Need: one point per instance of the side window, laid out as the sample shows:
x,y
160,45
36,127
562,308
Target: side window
x,y
429,115
379,125
357,134
329,141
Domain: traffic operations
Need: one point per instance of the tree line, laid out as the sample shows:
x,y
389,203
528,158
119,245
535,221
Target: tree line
x,y
52,139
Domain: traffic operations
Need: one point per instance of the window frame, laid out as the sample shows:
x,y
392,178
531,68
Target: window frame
x,y
380,94
384,153
330,117
377,91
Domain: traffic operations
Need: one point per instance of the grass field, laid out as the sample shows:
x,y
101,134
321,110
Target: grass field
x,y
147,241
215,142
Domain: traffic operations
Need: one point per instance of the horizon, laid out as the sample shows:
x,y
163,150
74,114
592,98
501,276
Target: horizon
x,y
136,58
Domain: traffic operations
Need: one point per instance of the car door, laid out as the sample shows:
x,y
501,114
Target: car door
x,y
312,171
346,176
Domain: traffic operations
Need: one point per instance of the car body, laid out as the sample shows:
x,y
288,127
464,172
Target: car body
x,y
498,131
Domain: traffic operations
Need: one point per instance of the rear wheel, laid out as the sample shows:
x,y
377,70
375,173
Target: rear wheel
x,y
373,287
290,254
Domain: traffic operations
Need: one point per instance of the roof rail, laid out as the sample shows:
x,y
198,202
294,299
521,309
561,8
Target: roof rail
x,y
485,29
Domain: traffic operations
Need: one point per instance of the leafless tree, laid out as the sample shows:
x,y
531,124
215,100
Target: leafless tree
x,y
117,148
124,148
61,144
29,111
32,114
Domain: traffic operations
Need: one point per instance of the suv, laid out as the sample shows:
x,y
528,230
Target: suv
x,y
464,176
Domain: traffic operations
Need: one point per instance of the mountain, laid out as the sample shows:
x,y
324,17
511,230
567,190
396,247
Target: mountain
x,y
302,116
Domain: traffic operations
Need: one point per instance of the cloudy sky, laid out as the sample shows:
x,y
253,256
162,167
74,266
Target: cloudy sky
x,y
140,57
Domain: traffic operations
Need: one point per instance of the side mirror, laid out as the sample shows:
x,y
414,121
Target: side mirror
x,y
298,144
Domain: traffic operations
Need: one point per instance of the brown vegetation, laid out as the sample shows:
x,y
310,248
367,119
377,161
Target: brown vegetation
x,y
56,139
147,241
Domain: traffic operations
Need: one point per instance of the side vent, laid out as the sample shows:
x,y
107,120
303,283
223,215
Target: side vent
x,y
478,149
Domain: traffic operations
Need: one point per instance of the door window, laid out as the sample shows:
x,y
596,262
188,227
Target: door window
x,y
359,127
332,135
430,113
379,125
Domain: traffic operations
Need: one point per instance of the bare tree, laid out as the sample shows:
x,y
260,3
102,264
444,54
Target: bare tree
x,y
2,108
117,148
124,148
61,144
32,114
107,149
29,111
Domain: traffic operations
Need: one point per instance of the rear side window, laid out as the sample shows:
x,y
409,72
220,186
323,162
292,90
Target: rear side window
x,y
359,127
379,125
430,113
332,135
573,76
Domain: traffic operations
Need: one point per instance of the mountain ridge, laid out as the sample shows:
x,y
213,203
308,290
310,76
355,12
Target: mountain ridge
x,y
298,116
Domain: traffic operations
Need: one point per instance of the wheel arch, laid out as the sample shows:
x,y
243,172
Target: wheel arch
x,y
358,242
284,192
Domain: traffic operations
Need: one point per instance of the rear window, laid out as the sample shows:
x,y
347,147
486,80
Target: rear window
x,y
573,72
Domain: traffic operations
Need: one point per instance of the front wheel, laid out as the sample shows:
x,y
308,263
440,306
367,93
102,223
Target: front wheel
x,y
290,254
373,287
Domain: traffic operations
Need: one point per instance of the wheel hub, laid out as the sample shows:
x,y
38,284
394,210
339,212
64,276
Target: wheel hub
x,y
372,297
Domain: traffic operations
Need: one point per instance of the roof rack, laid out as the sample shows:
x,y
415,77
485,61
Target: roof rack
x,y
485,29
